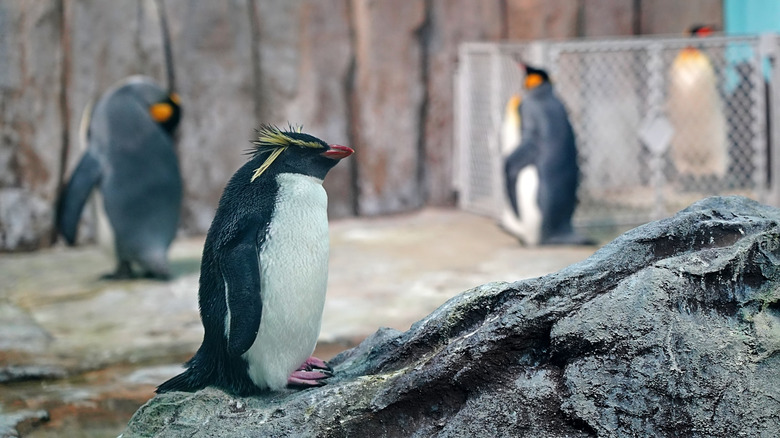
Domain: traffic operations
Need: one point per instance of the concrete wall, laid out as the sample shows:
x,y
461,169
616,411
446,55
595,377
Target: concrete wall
x,y
376,75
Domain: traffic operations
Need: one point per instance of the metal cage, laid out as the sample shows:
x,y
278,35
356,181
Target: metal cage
x,y
644,148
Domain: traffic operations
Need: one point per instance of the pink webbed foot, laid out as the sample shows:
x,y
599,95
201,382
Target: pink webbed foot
x,y
311,373
313,363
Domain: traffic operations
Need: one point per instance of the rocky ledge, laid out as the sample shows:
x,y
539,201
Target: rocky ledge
x,y
672,329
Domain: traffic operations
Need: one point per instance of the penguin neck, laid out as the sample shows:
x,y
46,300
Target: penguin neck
x,y
286,173
540,90
296,175
316,172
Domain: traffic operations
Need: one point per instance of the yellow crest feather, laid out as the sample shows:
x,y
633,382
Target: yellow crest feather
x,y
274,141
267,163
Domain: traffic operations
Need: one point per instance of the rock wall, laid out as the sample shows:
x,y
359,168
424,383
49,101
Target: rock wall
x,y
672,329
375,75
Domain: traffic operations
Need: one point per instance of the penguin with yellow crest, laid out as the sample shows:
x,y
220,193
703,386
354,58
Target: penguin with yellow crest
x,y
264,271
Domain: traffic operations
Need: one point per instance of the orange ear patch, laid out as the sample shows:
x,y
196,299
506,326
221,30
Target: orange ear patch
x,y
533,80
161,112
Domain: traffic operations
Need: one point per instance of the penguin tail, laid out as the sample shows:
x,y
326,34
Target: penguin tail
x,y
187,381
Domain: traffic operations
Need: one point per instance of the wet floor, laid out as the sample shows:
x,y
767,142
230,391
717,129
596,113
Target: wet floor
x,y
90,352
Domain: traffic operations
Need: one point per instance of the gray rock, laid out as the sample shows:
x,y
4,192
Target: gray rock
x,y
19,332
30,122
12,423
23,348
25,219
673,329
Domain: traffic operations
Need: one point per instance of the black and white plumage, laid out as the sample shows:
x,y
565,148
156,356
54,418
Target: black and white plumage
x,y
130,157
264,270
541,173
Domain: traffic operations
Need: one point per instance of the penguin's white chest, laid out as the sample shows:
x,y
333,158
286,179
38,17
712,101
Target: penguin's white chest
x,y
293,278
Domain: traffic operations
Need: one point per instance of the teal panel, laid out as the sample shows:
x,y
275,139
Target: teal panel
x,y
751,16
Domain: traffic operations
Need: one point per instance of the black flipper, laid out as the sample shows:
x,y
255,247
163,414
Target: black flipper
x,y
71,203
240,270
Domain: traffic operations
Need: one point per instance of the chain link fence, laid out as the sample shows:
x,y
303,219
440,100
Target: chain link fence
x,y
660,123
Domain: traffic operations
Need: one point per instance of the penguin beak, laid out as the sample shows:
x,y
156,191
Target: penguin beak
x,y
337,152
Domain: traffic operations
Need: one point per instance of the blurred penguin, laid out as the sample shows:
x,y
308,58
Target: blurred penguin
x,y
699,147
541,171
130,156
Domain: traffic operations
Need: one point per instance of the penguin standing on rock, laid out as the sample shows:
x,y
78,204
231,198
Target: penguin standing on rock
x,y
131,158
541,173
264,271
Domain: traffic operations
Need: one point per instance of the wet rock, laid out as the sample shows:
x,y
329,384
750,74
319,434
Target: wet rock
x,y
671,329
19,332
15,423
15,373
22,344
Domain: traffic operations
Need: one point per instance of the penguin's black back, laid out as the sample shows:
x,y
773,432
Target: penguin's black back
x,y
548,143
245,207
557,165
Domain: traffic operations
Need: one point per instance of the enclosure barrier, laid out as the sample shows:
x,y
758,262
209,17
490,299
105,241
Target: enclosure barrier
x,y
647,145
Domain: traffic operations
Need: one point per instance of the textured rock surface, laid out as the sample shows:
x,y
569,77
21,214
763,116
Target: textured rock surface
x,y
530,19
389,173
671,329
13,425
30,122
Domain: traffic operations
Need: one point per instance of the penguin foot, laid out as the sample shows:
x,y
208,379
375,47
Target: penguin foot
x,y
123,272
314,363
307,379
159,276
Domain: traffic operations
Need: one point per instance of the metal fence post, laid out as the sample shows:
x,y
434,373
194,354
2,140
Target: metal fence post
x,y
773,53
655,99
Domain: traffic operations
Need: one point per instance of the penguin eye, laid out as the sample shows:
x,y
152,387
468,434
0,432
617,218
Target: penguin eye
x,y
161,112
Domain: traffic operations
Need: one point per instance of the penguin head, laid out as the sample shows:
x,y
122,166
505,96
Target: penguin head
x,y
700,30
167,112
534,76
293,151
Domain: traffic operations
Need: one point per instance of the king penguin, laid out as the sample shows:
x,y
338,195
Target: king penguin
x,y
699,147
264,271
131,158
541,173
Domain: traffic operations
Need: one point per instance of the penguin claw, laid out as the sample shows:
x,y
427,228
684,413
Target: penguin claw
x,y
307,379
314,363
